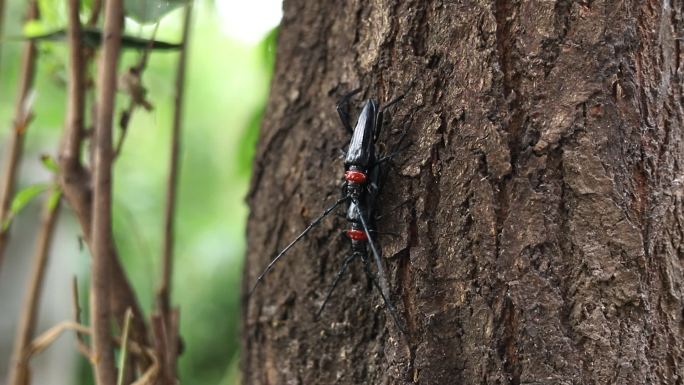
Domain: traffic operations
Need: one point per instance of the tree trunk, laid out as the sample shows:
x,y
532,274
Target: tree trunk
x,y
539,212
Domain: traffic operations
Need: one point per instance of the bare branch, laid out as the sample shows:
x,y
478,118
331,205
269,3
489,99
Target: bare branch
x,y
166,325
80,343
22,117
124,347
75,179
19,370
131,81
164,292
101,232
94,13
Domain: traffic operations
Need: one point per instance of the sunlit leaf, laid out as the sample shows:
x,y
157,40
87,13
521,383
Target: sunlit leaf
x,y
52,12
150,11
35,28
49,162
54,198
92,37
21,199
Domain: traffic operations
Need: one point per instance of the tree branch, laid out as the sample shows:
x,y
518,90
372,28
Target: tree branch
x,y
75,179
22,117
101,232
164,292
19,370
94,13
132,82
166,323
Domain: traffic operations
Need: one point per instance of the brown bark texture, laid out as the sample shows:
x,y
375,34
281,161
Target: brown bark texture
x,y
101,234
538,204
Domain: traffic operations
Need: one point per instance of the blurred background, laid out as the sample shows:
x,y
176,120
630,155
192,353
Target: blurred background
x,y
230,64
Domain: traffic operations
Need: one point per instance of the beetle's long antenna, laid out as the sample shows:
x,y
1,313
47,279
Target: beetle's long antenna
x,y
345,264
288,247
376,255
392,102
385,299
342,109
382,285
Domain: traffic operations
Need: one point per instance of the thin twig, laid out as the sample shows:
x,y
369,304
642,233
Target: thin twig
x,y
132,80
48,337
22,117
74,178
168,350
75,303
124,347
164,292
95,9
42,342
101,232
80,338
19,370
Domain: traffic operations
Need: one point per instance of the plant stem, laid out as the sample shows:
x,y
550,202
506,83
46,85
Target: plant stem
x,y
164,291
22,117
19,371
101,232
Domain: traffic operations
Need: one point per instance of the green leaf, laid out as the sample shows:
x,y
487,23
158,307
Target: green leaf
x,y
53,199
52,12
34,28
151,11
21,199
49,163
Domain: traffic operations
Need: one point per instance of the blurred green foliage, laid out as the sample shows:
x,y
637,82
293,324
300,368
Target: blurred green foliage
x,y
226,90
150,11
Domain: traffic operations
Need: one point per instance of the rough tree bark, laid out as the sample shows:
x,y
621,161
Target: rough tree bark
x,y
541,232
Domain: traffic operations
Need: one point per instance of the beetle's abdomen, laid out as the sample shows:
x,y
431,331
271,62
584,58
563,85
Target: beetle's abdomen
x,y
361,150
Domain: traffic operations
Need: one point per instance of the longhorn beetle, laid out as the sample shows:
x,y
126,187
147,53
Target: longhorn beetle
x,y
360,191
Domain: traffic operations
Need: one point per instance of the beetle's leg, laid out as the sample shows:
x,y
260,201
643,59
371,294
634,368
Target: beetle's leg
x,y
342,109
345,264
390,233
393,209
288,247
378,125
385,299
382,277
392,102
398,148
379,118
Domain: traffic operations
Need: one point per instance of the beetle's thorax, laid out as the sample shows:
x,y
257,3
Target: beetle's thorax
x,y
356,180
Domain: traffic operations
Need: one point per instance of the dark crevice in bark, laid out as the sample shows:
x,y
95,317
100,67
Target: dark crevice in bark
x,y
407,283
421,28
552,47
565,243
508,351
506,14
